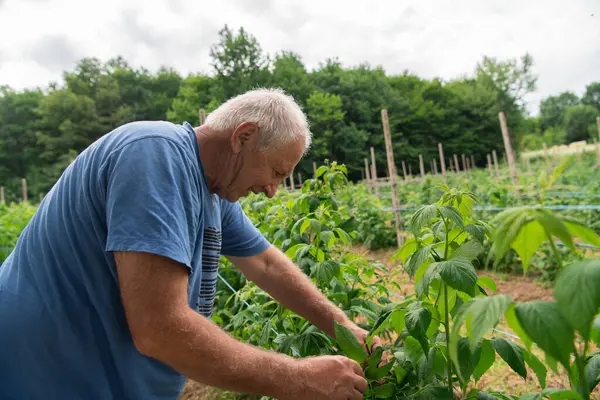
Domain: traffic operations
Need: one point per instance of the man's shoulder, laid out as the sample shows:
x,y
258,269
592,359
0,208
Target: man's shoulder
x,y
138,130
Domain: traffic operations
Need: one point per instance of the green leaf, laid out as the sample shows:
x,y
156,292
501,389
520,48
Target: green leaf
x,y
452,214
515,325
577,294
555,227
266,333
477,231
343,235
292,251
467,359
349,343
509,223
381,320
459,274
304,226
486,360
325,271
422,217
529,239
377,373
578,229
315,226
546,326
400,374
417,259
321,170
398,321
487,396
468,250
384,391
487,282
479,315
417,321
328,238
592,371
407,249
511,354
561,394
536,365
413,349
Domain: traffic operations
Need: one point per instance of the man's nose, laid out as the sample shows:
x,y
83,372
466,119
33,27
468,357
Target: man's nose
x,y
270,190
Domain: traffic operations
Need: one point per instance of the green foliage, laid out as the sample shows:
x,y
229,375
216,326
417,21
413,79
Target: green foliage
x,y
13,219
580,122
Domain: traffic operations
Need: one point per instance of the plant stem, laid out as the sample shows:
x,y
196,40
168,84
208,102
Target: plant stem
x,y
556,253
447,329
583,384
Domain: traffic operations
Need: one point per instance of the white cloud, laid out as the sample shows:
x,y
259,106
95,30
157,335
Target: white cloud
x,y
440,38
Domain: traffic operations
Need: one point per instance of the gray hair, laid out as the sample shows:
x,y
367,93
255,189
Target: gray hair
x,y
278,116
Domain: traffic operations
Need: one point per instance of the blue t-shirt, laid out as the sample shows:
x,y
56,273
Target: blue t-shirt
x,y
63,332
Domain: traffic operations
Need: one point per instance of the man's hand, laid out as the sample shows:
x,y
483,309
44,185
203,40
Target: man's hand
x,y
376,341
327,378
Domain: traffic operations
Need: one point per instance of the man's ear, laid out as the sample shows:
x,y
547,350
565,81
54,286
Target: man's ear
x,y
244,136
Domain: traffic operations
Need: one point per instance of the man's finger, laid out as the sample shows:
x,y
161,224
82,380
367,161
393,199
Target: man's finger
x,y
361,384
356,367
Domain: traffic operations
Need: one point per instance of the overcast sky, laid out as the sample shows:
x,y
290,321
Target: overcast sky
x,y
433,38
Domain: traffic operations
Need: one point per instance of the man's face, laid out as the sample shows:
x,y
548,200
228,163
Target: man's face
x,y
261,171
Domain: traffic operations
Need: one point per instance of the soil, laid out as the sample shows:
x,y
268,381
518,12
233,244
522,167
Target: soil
x,y
499,377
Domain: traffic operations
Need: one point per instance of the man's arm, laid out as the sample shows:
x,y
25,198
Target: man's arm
x,y
164,327
275,273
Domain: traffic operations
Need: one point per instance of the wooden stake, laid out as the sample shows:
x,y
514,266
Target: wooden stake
x,y
456,165
442,160
421,166
368,174
300,178
314,169
598,123
489,160
292,184
496,163
452,167
509,150
24,189
410,171
202,116
597,151
374,171
472,161
435,171
464,163
1,194
404,170
547,157
390,158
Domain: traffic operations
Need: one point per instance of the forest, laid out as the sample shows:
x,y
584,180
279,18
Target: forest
x,y
43,129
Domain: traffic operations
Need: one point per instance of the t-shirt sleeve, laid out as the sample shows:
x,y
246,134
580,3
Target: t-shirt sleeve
x,y
152,200
240,237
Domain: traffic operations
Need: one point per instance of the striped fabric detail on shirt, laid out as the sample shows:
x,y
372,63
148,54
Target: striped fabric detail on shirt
x,y
211,253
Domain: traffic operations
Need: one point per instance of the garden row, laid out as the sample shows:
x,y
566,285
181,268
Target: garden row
x,y
440,337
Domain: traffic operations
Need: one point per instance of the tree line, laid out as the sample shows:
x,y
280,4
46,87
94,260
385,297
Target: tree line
x,y
43,129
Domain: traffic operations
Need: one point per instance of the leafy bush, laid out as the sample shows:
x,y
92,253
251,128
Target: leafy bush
x,y
13,219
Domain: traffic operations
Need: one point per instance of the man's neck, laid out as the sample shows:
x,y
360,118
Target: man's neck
x,y
213,155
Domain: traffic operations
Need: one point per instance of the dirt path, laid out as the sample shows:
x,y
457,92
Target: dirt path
x,y
499,377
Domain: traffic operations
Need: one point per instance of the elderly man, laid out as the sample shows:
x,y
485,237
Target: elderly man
x,y
108,292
